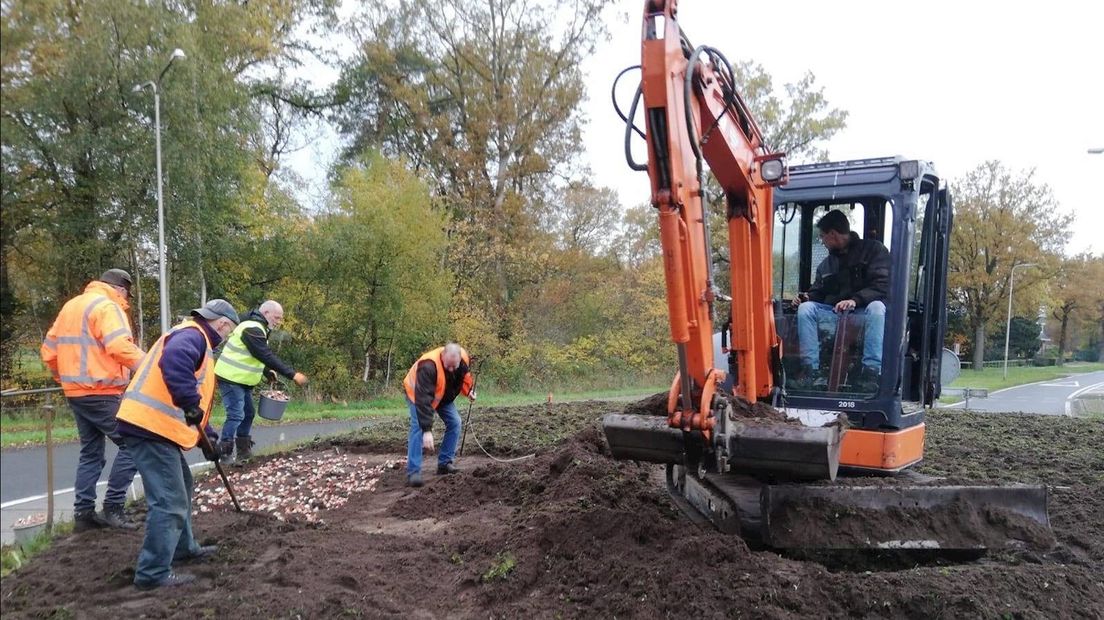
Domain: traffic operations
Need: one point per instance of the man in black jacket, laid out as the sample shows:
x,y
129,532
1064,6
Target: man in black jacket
x,y
245,360
854,277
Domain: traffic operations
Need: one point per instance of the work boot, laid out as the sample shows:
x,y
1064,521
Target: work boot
x,y
868,381
226,452
174,579
414,479
804,378
245,448
86,520
447,468
114,516
205,552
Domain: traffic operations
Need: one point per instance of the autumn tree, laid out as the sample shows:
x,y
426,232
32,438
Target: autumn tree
x,y
1003,219
484,97
79,182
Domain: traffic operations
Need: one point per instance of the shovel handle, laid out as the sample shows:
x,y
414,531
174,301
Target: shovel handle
x,y
203,439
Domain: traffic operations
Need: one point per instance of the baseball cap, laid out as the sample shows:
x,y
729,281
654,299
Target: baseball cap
x,y
217,308
116,277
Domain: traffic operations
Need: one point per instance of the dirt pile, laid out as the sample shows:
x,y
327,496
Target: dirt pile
x,y
572,533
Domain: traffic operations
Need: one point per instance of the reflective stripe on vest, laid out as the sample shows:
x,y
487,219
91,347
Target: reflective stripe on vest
x,y
85,341
236,363
148,404
411,380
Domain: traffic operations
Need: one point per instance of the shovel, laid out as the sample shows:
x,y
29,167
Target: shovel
x,y
467,419
206,442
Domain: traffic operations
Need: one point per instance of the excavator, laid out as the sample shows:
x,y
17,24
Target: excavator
x,y
828,464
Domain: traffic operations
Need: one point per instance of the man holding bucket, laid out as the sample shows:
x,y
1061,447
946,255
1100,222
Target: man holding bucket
x,y
245,360
431,385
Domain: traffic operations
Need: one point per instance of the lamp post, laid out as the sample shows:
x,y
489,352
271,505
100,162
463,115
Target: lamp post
x,y
155,86
1008,323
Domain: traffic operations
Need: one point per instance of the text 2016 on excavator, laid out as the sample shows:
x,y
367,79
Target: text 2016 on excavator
x,y
746,449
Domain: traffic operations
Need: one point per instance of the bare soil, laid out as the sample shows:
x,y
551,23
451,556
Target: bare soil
x,y
573,533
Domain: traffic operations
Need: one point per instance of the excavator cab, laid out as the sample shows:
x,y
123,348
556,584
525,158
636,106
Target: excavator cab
x,y
879,364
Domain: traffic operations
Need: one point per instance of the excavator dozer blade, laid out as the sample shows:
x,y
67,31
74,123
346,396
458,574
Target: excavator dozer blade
x,y
789,451
916,517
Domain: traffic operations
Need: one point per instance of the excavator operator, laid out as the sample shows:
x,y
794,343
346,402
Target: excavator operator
x,y
853,278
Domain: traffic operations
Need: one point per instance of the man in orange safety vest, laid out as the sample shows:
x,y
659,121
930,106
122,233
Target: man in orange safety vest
x,y
90,350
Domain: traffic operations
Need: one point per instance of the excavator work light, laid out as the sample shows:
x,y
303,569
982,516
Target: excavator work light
x,y
772,170
908,170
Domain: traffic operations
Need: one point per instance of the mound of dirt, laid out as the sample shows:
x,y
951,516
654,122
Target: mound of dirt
x,y
572,533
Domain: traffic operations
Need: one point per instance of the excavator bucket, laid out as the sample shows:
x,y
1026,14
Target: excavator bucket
x,y
790,451
906,517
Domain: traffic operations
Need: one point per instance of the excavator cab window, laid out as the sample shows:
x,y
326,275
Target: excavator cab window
x,y
826,351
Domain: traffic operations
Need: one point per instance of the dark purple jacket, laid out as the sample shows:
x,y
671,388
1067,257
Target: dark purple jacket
x,y
181,357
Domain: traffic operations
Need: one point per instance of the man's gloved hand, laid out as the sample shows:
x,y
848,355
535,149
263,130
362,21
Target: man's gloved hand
x,y
300,379
271,374
210,450
193,416
471,396
427,442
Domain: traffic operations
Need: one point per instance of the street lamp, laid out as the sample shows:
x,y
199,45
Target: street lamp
x,y
161,253
1008,324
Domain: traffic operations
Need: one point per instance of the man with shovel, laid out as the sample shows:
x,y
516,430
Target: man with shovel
x,y
431,386
163,410
245,360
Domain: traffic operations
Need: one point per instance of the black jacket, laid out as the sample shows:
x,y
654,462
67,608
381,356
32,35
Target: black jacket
x,y
426,385
256,341
861,273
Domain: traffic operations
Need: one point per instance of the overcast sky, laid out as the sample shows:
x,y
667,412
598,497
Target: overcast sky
x,y
956,83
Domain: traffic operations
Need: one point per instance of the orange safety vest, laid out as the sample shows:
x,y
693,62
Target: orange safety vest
x,y
147,403
411,379
90,348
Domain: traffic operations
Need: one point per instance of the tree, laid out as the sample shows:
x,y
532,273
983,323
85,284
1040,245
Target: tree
x,y
485,98
1003,219
78,170
797,123
1072,300
373,287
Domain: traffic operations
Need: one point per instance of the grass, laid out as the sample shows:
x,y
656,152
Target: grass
x,y
504,563
993,378
14,557
28,430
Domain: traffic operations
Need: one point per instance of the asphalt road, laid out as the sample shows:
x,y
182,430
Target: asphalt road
x,y
23,470
1056,397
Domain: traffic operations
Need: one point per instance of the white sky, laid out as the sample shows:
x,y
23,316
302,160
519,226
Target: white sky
x,y
956,83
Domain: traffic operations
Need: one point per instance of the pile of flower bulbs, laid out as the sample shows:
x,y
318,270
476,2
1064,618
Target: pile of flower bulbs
x,y
294,487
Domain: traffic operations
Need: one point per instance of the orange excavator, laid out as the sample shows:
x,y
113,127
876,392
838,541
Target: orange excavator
x,y
748,440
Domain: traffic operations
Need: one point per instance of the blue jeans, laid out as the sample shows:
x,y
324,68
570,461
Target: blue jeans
x,y
448,444
238,402
812,314
95,417
168,484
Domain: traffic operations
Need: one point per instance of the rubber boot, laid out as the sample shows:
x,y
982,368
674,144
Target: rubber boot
x,y
226,452
245,448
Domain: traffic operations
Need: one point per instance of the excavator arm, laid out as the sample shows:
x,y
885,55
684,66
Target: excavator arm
x,y
695,116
